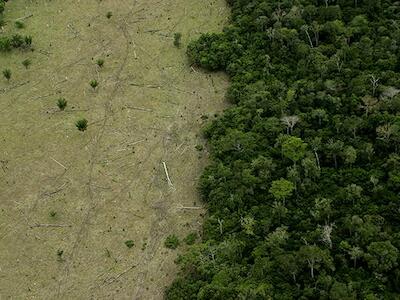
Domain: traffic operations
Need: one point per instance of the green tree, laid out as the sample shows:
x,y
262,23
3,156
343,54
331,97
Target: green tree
x,y
281,189
382,256
294,148
315,258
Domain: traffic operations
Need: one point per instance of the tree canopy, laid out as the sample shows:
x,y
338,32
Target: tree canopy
x,y
303,188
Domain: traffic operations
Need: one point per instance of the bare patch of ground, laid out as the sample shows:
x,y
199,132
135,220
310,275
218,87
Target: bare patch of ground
x,y
87,193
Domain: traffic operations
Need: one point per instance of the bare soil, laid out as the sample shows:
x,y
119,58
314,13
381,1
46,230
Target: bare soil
x,y
86,193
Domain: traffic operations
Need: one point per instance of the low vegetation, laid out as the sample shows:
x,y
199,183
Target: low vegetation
x,y
129,243
81,124
62,103
100,62
172,242
94,84
26,63
7,74
177,39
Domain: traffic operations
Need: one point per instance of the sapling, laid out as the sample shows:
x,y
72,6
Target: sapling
x,y
100,62
19,24
81,124
7,74
93,83
177,39
60,254
62,103
130,243
172,242
26,63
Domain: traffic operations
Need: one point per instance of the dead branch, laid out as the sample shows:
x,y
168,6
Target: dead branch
x,y
167,175
139,108
112,279
48,225
59,163
3,90
24,18
189,207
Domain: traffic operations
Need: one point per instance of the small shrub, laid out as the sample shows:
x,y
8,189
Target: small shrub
x,y
7,74
5,44
60,254
94,84
17,41
19,24
81,124
177,39
130,243
28,41
26,63
172,242
62,103
144,246
100,62
52,213
190,238
199,148
109,15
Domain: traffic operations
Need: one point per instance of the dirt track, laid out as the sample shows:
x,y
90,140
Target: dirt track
x,y
106,185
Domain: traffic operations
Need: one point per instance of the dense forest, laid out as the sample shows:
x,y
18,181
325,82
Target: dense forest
x,y
303,189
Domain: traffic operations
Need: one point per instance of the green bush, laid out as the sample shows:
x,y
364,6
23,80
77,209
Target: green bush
x,y
172,242
177,39
129,243
7,74
61,103
26,63
94,84
2,6
191,238
100,62
19,24
81,124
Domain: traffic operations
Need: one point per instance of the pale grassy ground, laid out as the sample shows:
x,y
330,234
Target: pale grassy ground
x,y
109,184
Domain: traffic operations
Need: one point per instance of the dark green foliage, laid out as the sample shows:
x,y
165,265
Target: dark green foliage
x,y
26,63
94,84
81,124
199,148
191,238
19,24
16,41
28,41
129,243
177,39
61,103
109,15
2,6
172,241
7,74
303,189
52,213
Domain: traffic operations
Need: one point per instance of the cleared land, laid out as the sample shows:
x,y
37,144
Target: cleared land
x,y
107,185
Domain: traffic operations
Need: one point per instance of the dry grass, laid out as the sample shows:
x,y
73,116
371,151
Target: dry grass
x,y
106,185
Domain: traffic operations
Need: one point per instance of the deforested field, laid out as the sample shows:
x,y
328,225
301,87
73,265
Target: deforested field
x,y
71,201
